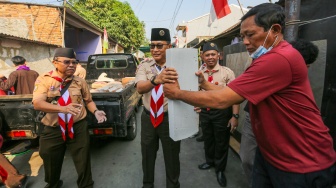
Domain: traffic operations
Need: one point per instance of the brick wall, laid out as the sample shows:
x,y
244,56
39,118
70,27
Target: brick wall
x,y
35,22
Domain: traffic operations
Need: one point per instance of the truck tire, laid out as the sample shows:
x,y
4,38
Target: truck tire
x,y
131,128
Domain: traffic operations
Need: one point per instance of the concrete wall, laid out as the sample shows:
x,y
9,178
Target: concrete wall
x,y
38,56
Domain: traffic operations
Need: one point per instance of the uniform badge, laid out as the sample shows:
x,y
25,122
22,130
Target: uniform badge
x,y
35,88
212,44
161,33
51,88
79,100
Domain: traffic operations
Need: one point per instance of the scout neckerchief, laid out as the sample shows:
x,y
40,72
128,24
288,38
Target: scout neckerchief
x,y
3,174
210,78
65,119
156,103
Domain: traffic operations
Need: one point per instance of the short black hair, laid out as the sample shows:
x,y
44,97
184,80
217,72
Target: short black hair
x,y
18,60
307,49
266,15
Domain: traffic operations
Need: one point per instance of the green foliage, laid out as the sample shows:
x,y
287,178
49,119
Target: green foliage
x,y
145,42
118,18
148,54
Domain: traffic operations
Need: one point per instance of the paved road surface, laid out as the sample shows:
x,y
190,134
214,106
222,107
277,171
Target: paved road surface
x,y
117,164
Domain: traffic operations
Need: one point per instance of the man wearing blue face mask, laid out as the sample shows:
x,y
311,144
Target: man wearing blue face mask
x,y
262,50
294,146
248,144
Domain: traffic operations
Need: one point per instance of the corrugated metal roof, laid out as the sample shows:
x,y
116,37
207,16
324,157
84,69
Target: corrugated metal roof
x,y
8,36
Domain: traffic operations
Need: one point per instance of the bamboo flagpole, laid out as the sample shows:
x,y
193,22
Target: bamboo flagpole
x,y
105,42
241,8
63,26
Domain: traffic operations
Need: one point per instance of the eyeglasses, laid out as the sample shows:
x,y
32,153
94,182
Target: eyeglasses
x,y
158,46
68,62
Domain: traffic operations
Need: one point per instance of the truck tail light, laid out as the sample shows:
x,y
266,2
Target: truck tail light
x,y
20,134
101,131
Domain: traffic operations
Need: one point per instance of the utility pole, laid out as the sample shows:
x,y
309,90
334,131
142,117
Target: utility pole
x,y
240,7
292,8
63,26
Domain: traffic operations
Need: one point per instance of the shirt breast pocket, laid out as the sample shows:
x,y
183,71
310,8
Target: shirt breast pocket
x,y
76,97
53,93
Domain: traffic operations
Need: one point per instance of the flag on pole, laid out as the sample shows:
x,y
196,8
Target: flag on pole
x,y
105,42
176,42
219,9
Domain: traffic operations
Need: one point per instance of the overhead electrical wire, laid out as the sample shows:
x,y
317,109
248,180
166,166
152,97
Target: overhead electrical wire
x,y
174,17
164,3
174,13
141,7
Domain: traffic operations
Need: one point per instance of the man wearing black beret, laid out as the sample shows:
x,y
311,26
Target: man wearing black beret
x,y
154,119
63,97
217,123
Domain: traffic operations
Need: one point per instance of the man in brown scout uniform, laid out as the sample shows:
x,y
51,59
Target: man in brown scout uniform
x,y
154,119
63,96
80,71
217,123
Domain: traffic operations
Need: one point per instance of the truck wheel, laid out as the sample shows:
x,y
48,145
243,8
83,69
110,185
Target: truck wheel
x,y
131,128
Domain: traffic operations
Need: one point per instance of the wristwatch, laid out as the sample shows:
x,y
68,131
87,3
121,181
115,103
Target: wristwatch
x,y
152,80
235,116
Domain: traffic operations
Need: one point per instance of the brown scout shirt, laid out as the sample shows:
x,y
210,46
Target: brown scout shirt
x,y
146,71
222,77
22,80
46,88
80,72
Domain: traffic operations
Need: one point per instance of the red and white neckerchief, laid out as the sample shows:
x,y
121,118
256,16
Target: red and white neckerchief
x,y
210,78
210,75
65,119
3,174
156,103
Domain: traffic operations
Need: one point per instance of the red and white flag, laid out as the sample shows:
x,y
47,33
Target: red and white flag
x,y
176,42
219,9
105,42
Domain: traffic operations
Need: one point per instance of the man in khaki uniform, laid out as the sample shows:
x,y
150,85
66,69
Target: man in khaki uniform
x,y
80,71
64,123
217,123
154,119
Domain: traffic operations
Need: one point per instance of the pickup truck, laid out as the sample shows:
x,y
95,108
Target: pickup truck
x,y
17,115
120,106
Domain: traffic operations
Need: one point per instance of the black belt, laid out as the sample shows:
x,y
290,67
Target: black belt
x,y
148,112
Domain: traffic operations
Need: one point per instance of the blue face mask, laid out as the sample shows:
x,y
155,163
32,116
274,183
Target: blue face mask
x,y
262,50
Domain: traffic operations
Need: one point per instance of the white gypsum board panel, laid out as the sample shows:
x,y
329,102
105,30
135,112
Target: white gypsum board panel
x,y
183,120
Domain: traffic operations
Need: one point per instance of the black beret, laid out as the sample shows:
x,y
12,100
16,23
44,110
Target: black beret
x,y
209,46
160,34
65,52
